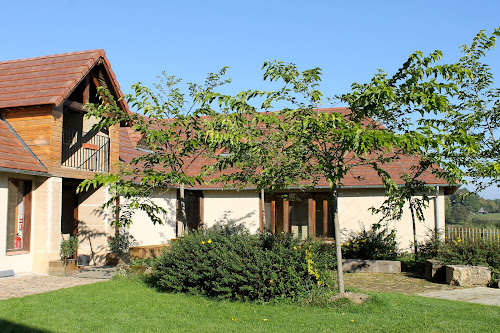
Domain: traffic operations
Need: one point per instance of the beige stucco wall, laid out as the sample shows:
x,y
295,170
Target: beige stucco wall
x,y
354,215
143,229
94,225
46,231
231,206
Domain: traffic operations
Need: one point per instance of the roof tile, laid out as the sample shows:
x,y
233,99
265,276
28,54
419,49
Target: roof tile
x,y
48,79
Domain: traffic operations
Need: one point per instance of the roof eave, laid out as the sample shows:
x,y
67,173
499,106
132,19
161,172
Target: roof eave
x,y
26,172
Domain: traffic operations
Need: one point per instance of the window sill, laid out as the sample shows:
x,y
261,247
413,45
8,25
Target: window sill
x,y
15,253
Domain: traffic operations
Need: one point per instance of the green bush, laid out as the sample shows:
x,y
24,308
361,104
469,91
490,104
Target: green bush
x,y
427,249
68,248
228,264
477,253
323,253
121,242
378,243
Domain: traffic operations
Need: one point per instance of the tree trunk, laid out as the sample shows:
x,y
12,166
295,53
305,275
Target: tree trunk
x,y
415,244
338,246
181,224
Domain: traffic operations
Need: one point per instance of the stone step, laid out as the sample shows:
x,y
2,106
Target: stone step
x,y
96,272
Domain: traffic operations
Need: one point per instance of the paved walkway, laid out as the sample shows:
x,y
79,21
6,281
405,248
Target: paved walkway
x,y
481,295
24,284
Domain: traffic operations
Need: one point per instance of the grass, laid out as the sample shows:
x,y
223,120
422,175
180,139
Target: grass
x,y
130,306
491,220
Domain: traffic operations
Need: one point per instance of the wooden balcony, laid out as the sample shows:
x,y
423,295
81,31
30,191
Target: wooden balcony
x,y
87,151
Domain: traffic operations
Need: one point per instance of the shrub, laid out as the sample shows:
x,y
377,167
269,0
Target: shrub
x,y
376,244
428,249
477,253
68,248
120,243
323,253
235,265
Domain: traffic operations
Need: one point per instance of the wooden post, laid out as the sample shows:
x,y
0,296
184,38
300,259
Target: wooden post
x,y
201,202
311,218
86,91
286,216
325,217
27,199
273,215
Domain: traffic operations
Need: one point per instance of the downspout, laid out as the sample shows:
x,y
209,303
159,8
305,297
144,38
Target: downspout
x,y
436,210
263,202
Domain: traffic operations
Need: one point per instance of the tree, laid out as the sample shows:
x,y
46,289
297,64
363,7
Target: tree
x,y
477,113
298,145
171,136
453,139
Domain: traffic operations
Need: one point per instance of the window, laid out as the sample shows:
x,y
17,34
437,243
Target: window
x,y
193,201
303,214
19,215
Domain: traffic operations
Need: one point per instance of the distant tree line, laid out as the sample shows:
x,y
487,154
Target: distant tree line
x,y
462,204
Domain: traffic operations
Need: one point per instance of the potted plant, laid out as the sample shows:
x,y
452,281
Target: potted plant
x,y
67,266
119,248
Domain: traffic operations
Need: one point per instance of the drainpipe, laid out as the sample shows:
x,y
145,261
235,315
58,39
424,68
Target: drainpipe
x,y
263,202
436,210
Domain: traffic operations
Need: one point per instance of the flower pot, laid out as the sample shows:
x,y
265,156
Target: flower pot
x,y
114,259
68,267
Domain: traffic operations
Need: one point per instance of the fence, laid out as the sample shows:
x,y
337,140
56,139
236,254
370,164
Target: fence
x,y
466,234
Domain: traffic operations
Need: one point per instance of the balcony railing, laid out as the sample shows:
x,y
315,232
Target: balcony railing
x,y
85,151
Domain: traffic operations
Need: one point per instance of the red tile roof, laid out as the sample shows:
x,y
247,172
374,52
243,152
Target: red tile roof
x,y
48,79
14,154
369,177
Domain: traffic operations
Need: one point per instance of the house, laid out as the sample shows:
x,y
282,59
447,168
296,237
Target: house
x,y
47,147
482,211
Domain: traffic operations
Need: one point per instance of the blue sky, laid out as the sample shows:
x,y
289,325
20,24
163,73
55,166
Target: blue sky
x,y
349,40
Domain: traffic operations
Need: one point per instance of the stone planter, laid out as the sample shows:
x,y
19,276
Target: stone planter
x,y
462,275
435,271
114,259
68,267
370,266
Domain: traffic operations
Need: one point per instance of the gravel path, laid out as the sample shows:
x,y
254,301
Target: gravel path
x,y
28,284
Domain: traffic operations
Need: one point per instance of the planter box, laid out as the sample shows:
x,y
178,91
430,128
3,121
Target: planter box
x,y
146,252
370,266
67,267
113,259
435,271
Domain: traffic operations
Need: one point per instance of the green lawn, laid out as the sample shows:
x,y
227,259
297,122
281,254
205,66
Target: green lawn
x,y
129,306
491,220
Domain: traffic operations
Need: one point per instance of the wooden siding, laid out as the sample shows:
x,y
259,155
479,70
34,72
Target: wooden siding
x,y
33,124
40,127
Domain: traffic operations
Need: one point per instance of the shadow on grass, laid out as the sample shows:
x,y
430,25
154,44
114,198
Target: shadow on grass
x,y
8,326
